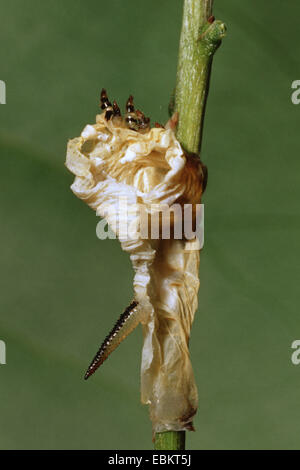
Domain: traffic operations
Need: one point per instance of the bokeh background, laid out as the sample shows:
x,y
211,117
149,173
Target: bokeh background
x,y
62,288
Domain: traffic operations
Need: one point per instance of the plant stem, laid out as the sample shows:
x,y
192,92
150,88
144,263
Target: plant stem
x,y
170,440
199,41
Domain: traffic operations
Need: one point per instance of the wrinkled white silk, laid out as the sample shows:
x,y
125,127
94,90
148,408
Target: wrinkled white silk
x,y
110,162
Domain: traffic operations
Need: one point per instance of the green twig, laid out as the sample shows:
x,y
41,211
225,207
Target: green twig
x,y
201,35
199,40
170,440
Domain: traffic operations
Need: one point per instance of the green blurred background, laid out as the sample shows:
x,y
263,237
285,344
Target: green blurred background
x,y
62,288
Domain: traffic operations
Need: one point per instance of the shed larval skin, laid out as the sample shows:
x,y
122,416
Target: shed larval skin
x,y
148,166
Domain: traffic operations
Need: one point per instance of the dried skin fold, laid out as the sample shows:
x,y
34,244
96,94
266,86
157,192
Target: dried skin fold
x,y
111,161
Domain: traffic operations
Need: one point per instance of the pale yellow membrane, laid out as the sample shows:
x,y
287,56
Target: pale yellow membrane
x,y
111,161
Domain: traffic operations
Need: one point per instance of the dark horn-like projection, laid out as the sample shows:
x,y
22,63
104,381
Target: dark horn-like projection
x,y
116,109
130,105
106,104
131,119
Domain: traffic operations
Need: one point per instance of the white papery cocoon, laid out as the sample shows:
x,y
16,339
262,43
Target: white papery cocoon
x,y
111,162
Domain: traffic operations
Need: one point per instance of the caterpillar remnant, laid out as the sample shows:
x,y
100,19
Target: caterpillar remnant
x,y
122,156
134,120
127,322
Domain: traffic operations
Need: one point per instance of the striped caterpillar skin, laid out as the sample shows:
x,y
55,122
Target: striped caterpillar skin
x,y
127,322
